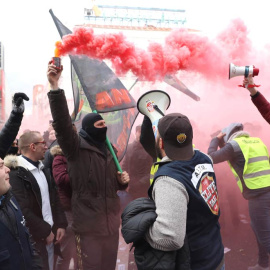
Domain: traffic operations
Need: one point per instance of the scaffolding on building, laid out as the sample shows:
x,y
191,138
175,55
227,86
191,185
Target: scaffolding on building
x,y
134,17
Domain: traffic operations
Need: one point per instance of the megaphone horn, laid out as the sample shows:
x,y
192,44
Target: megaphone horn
x,y
153,104
242,71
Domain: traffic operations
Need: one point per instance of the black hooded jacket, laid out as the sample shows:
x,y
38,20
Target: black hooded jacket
x,y
9,132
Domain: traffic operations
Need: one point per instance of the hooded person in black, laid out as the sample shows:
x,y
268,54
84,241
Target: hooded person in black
x,y
94,180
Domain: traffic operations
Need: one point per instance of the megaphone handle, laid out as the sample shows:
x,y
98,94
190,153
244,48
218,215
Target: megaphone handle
x,y
249,85
158,110
243,85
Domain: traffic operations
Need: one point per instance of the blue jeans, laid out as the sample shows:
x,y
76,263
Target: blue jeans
x,y
223,267
259,211
50,250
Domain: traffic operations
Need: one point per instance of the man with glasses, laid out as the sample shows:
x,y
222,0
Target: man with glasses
x,y
36,193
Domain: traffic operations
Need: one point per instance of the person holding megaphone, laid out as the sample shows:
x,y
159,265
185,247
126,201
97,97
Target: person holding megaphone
x,y
257,98
183,190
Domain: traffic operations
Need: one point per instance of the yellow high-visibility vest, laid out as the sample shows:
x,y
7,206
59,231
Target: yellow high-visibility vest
x,y
256,172
153,170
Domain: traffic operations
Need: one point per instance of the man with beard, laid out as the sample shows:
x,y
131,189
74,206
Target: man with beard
x,y
94,181
186,198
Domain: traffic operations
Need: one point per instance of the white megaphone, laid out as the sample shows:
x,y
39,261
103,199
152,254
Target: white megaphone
x,y
242,71
154,104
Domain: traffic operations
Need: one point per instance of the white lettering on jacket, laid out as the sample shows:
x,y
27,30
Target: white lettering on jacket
x,y
200,169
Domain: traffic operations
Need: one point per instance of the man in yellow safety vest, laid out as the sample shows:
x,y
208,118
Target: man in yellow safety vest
x,y
248,159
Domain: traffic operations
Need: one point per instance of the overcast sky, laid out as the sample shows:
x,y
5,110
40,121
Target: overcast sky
x,y
29,34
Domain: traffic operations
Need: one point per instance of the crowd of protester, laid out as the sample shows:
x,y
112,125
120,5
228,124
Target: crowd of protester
x,y
62,196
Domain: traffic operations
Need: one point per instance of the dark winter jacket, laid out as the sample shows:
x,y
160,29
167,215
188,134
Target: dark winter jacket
x,y
48,159
93,175
60,175
137,217
262,105
27,192
137,163
16,250
9,132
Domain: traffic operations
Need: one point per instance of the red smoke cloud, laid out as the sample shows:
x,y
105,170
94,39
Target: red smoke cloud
x,y
182,50
202,64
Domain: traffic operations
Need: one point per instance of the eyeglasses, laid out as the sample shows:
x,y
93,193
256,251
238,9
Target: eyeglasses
x,y
43,142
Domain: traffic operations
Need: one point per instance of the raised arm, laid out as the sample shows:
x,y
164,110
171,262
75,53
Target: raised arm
x,y
66,136
223,154
258,99
147,138
11,128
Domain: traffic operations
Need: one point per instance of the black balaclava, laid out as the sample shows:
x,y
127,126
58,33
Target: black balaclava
x,y
96,136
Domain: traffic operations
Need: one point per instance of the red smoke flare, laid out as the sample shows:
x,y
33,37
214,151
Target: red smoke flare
x,y
182,51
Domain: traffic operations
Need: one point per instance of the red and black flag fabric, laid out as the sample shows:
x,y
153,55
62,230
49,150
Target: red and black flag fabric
x,y
97,88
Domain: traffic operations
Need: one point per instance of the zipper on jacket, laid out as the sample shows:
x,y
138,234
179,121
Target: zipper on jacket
x,y
24,178
17,235
18,238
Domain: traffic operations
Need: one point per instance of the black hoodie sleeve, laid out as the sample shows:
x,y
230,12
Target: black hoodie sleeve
x,y
147,138
9,132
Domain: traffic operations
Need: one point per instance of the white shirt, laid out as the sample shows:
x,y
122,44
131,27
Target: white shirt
x,y
43,186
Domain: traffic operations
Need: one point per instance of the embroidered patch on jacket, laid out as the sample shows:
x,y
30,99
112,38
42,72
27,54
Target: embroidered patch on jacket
x,y
208,191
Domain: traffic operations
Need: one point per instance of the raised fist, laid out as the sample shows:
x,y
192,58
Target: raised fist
x,y
17,102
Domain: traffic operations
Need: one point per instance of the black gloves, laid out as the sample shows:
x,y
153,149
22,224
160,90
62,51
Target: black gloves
x,y
17,102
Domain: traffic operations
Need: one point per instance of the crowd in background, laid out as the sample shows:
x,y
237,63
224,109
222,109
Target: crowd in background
x,y
62,196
